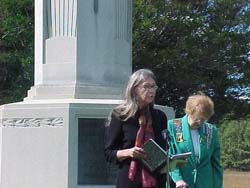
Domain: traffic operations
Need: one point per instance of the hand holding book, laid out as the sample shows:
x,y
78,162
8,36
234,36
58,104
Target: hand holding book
x,y
157,157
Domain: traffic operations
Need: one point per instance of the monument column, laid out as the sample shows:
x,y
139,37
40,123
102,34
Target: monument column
x,y
54,137
82,48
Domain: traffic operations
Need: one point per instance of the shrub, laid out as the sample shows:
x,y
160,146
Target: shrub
x,y
235,142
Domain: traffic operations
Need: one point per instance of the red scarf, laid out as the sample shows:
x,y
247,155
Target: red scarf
x,y
137,172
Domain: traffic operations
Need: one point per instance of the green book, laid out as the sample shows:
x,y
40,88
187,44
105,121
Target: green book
x,y
156,156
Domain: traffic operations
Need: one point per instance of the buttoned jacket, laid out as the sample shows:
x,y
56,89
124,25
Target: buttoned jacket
x,y
204,170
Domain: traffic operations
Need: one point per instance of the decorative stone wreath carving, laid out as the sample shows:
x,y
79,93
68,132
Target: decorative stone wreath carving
x,y
32,122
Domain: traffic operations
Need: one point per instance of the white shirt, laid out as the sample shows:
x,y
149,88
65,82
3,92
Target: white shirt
x,y
195,139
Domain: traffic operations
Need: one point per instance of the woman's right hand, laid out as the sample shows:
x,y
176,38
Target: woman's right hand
x,y
135,152
181,184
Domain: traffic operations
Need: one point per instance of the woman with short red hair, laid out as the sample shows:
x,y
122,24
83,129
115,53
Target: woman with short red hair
x,y
193,133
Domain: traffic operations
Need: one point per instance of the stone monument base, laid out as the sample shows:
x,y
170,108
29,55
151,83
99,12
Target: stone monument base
x,y
72,92
56,144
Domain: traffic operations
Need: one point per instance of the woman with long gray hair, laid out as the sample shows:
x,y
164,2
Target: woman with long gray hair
x,y
132,123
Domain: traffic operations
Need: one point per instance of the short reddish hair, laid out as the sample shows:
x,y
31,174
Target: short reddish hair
x,y
200,105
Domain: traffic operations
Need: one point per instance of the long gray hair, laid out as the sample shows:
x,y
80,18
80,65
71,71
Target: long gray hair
x,y
129,106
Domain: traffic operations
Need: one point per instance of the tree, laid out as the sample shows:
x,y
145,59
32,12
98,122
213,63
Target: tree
x,y
192,46
235,137
16,49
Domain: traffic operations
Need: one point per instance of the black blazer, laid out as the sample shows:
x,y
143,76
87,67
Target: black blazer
x,y
122,134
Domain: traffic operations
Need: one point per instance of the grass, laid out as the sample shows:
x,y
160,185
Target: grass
x,y
235,179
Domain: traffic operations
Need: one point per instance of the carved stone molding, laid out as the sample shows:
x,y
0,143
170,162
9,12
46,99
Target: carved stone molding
x,y
31,122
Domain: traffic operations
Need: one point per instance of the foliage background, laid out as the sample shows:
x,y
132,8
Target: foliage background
x,y
235,136
191,45
16,49
195,45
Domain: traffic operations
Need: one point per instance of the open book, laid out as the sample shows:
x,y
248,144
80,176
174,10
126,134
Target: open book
x,y
181,156
178,160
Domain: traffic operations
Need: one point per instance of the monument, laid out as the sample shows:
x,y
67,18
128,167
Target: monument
x,y
54,137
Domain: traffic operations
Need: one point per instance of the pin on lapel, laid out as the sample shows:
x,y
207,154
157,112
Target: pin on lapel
x,y
202,139
179,137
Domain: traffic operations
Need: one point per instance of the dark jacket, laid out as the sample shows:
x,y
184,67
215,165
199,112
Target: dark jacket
x,y
122,134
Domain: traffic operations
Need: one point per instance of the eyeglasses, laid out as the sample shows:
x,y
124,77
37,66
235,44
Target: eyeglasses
x,y
198,119
149,86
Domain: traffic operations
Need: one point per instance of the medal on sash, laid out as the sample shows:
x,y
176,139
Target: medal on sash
x,y
178,130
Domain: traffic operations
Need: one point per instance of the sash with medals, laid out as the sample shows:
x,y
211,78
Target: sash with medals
x,y
207,131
